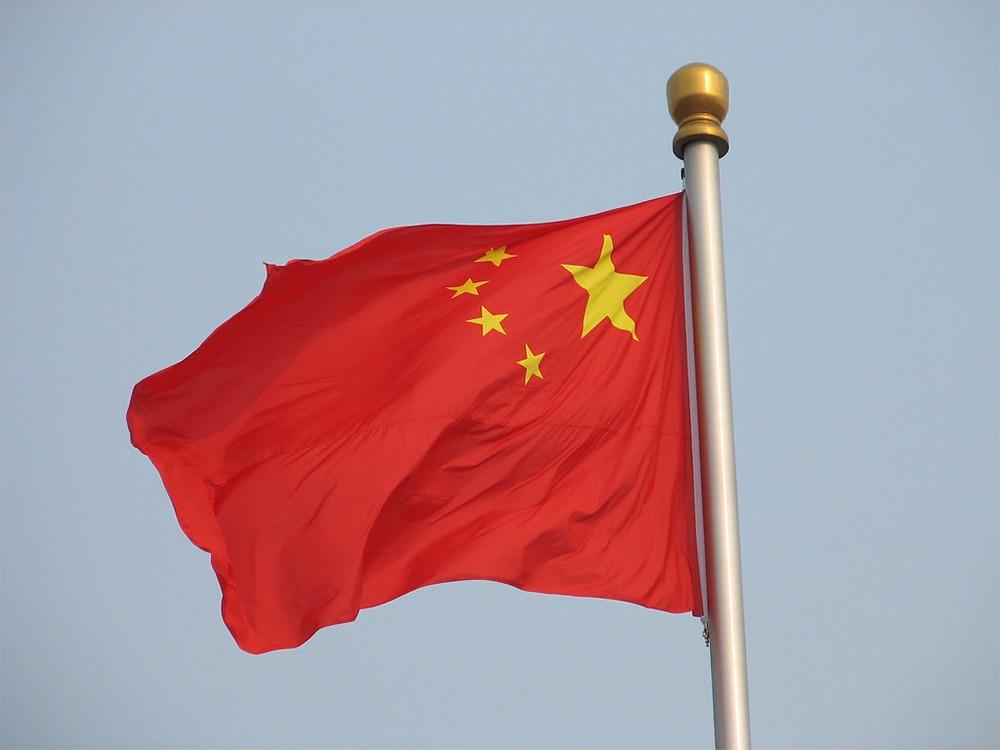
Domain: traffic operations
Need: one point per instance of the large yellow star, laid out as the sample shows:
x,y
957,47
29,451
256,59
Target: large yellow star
x,y
469,287
489,321
607,290
496,257
530,364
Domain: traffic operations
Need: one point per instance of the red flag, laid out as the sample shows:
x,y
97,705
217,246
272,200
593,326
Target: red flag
x,y
440,403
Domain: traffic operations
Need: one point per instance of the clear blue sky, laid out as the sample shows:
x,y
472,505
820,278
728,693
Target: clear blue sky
x,y
154,155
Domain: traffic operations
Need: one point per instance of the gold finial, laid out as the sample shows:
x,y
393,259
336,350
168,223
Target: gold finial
x,y
698,97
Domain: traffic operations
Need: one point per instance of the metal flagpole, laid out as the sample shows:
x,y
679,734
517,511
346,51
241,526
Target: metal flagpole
x,y
698,97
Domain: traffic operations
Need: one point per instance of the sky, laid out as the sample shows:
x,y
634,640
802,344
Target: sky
x,y
153,156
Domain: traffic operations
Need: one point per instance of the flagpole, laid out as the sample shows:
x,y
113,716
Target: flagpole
x,y
698,97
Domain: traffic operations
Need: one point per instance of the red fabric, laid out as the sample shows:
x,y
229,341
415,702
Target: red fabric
x,y
362,428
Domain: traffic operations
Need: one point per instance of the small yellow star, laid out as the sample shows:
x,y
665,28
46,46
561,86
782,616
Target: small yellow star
x,y
496,257
489,321
606,291
469,287
530,364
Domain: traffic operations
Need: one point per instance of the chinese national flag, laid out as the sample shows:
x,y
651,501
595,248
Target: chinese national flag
x,y
440,403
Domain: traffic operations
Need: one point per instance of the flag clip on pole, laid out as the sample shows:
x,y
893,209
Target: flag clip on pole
x,y
698,98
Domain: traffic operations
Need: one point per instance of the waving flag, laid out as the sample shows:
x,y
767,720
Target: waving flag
x,y
440,403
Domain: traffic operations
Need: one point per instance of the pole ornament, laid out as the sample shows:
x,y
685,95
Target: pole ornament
x,y
698,97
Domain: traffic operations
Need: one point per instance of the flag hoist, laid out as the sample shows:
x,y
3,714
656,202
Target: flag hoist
x,y
522,416
698,97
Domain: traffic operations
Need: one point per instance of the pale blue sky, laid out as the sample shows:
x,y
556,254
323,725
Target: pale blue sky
x,y
154,155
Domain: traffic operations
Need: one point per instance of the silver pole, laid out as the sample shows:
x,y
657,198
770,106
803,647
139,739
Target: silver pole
x,y
699,99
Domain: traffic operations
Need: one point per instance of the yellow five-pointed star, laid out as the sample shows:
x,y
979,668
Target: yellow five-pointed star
x,y
607,290
530,364
496,257
469,287
489,321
